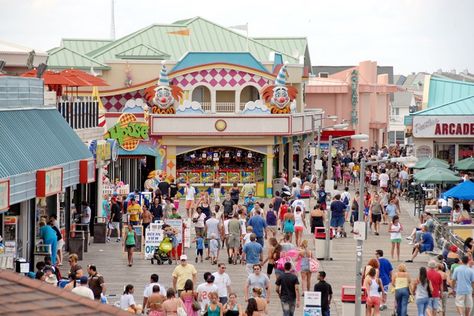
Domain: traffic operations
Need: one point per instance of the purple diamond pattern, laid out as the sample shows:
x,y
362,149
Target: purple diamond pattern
x,y
219,77
213,82
115,103
213,72
232,82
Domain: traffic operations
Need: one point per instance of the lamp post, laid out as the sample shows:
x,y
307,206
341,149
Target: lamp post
x,y
329,177
331,117
360,242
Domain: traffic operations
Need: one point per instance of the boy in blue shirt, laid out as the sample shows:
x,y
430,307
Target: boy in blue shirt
x,y
199,246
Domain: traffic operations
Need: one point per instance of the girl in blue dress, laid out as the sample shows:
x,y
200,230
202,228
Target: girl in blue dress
x,y
49,237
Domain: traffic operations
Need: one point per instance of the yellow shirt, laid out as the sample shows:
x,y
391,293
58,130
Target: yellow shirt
x,y
183,273
134,212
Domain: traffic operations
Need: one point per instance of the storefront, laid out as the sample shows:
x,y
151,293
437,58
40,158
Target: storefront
x,y
41,163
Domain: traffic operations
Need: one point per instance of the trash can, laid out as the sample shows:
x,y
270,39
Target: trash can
x,y
320,241
76,243
22,266
348,300
85,229
100,230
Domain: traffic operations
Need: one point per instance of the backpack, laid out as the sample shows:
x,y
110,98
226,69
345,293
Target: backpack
x,y
345,200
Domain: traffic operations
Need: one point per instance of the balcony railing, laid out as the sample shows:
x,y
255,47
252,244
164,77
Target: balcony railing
x,y
221,107
79,112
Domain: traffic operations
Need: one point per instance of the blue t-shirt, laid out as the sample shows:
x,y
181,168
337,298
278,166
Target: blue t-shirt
x,y
258,224
337,208
427,240
464,277
391,210
250,203
199,243
385,268
252,252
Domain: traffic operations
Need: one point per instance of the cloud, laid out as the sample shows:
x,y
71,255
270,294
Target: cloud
x,y
190,107
135,106
255,107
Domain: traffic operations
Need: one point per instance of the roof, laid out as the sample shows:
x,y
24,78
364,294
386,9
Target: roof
x,y
84,46
415,81
292,46
142,51
399,79
388,70
20,295
462,107
443,91
206,36
200,58
36,138
64,58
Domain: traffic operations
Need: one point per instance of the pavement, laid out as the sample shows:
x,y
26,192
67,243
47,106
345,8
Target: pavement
x,y
112,264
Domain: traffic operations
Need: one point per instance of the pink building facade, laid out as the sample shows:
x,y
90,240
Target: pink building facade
x,y
356,95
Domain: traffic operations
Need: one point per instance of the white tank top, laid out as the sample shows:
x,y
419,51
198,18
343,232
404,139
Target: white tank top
x,y
395,234
374,288
299,219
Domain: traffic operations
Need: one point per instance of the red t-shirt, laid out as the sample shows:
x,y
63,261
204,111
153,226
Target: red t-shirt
x,y
436,282
283,210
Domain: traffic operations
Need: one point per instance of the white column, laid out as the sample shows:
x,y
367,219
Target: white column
x,y
213,100
237,100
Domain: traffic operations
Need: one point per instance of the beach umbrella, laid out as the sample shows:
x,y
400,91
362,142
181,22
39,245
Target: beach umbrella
x,y
465,164
463,191
436,176
430,162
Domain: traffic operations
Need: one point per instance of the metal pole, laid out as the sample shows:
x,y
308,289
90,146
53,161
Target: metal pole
x,y
327,255
360,243
312,142
329,173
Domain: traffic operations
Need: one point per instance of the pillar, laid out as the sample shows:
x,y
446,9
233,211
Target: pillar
x,y
301,155
281,157
237,101
169,161
268,172
290,160
213,100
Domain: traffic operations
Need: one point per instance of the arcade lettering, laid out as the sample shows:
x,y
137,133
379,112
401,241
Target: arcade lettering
x,y
131,130
463,129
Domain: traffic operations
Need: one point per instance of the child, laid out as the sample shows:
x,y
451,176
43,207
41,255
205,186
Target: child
x,y
213,248
50,276
199,246
247,235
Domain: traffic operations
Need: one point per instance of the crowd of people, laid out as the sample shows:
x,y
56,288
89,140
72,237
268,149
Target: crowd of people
x,y
236,228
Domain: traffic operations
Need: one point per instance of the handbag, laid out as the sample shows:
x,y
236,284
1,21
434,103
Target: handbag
x,y
196,306
313,265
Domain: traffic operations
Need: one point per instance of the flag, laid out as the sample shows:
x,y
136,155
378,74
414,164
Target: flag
x,y
242,27
182,32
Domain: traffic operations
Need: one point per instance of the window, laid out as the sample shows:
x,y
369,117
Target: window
x,y
323,75
395,137
395,111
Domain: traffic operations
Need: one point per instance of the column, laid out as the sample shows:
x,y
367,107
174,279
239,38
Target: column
x,y
237,101
290,160
213,100
301,155
268,172
281,158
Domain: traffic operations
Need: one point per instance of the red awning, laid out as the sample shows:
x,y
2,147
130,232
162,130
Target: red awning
x,y
336,133
50,78
85,77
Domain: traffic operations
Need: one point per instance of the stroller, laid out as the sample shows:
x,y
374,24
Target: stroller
x,y
161,254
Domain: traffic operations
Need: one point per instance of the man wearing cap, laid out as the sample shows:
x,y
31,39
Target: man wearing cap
x,y
436,282
184,271
83,289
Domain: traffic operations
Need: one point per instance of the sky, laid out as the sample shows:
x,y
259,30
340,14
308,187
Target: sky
x,y
410,35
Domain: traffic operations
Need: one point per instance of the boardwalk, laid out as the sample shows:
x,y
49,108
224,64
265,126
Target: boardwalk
x,y
340,271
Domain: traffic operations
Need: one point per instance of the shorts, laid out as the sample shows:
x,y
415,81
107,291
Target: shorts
x,y
376,218
189,204
233,242
213,253
129,246
60,244
337,221
396,240
373,182
206,243
424,248
463,300
373,301
299,229
199,252
434,304
114,225
270,267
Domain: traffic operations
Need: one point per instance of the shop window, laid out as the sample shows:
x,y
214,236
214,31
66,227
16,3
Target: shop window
x,y
465,151
445,151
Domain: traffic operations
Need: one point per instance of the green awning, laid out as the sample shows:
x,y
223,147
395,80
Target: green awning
x,y
32,139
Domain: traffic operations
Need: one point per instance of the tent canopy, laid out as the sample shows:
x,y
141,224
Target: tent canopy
x,y
436,176
463,191
430,162
465,164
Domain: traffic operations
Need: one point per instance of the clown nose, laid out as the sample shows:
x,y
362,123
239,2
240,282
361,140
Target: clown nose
x,y
163,100
281,100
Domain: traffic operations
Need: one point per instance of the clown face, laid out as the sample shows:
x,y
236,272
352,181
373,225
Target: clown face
x,y
280,97
163,97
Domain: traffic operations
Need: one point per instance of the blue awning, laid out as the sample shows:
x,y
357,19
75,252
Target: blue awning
x,y
33,139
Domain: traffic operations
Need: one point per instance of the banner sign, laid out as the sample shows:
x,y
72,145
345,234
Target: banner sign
x,y
153,239
443,126
49,182
4,194
177,224
86,171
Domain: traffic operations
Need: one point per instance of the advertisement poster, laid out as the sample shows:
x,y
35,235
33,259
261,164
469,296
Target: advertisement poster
x,y
153,239
177,224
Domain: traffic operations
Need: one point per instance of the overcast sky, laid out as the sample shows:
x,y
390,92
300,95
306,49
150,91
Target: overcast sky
x,y
411,35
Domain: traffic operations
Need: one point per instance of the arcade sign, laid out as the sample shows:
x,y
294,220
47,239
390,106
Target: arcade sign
x,y
443,126
4,194
49,182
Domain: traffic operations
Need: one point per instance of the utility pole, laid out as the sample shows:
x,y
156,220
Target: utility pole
x,y
112,21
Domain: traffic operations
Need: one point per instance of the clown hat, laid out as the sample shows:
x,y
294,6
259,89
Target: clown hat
x,y
164,80
281,78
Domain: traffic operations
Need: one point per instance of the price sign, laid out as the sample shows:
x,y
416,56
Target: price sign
x,y
153,239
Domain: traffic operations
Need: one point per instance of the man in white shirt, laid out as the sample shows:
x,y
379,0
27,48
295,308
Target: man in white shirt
x,y
204,289
222,281
86,213
83,289
296,179
383,180
298,202
213,227
149,288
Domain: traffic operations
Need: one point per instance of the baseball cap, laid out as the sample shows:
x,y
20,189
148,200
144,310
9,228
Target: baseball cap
x,y
453,248
83,280
183,257
210,279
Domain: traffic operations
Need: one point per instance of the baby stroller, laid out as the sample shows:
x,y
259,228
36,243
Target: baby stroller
x,y
161,254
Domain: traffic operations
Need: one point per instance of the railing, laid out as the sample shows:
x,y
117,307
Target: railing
x,y
221,107
396,119
79,112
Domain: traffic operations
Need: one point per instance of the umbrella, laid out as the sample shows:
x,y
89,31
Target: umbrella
x,y
463,191
430,162
465,164
436,175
